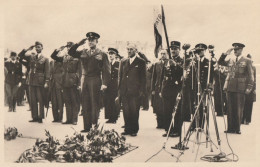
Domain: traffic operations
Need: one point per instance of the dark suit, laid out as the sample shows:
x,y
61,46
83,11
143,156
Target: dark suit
x,y
38,76
96,71
12,79
69,80
132,84
155,86
111,111
240,77
170,87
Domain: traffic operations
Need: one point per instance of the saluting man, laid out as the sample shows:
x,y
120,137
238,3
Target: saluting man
x,y
68,79
238,84
96,71
132,86
39,76
12,80
111,111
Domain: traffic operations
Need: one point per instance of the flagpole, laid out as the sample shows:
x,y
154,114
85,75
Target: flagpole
x,y
165,31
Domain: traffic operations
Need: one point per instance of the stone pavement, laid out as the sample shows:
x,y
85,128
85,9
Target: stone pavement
x,y
149,139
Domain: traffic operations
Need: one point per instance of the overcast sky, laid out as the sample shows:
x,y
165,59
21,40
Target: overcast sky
x,y
213,22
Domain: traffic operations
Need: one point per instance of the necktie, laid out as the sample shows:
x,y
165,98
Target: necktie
x,y
37,56
236,59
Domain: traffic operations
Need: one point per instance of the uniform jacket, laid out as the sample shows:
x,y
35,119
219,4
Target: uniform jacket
x,y
240,74
113,84
56,74
94,64
132,77
13,72
67,71
39,69
170,78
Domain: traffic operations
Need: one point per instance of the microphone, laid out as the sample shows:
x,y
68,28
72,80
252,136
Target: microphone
x,y
186,46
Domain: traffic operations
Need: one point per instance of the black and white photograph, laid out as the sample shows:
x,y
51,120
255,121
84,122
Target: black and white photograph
x,y
132,83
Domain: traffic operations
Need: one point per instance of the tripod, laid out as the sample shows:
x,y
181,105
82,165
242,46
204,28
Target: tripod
x,y
206,100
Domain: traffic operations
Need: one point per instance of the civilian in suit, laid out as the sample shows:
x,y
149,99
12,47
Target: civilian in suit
x,y
39,76
156,89
69,82
132,86
238,84
111,111
96,71
12,80
250,99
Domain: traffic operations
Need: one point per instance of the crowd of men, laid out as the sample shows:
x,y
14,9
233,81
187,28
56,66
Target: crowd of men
x,y
85,80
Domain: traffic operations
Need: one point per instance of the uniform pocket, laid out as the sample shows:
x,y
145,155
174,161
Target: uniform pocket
x,y
241,84
241,68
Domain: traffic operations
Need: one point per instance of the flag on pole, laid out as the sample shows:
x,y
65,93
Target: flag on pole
x,y
158,25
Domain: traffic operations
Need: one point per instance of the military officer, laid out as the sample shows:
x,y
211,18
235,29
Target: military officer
x,y
132,86
96,71
175,51
170,87
111,111
39,76
155,88
201,79
250,99
56,85
239,82
70,83
12,80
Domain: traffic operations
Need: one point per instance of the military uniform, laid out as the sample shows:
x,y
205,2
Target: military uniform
x,y
111,111
12,79
96,71
170,87
38,76
250,99
155,87
239,79
56,86
219,96
69,81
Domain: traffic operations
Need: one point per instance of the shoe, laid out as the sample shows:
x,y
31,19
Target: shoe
x,y
159,127
133,134
246,123
40,121
14,110
66,122
124,133
174,135
74,123
228,131
10,110
164,135
123,126
85,130
33,120
238,132
55,121
108,121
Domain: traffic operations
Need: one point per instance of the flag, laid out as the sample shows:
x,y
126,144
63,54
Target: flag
x,y
158,25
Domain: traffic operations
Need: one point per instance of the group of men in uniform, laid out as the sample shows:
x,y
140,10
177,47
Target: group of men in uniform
x,y
230,82
80,77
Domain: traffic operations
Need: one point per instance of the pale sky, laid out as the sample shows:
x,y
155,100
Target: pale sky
x,y
55,22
